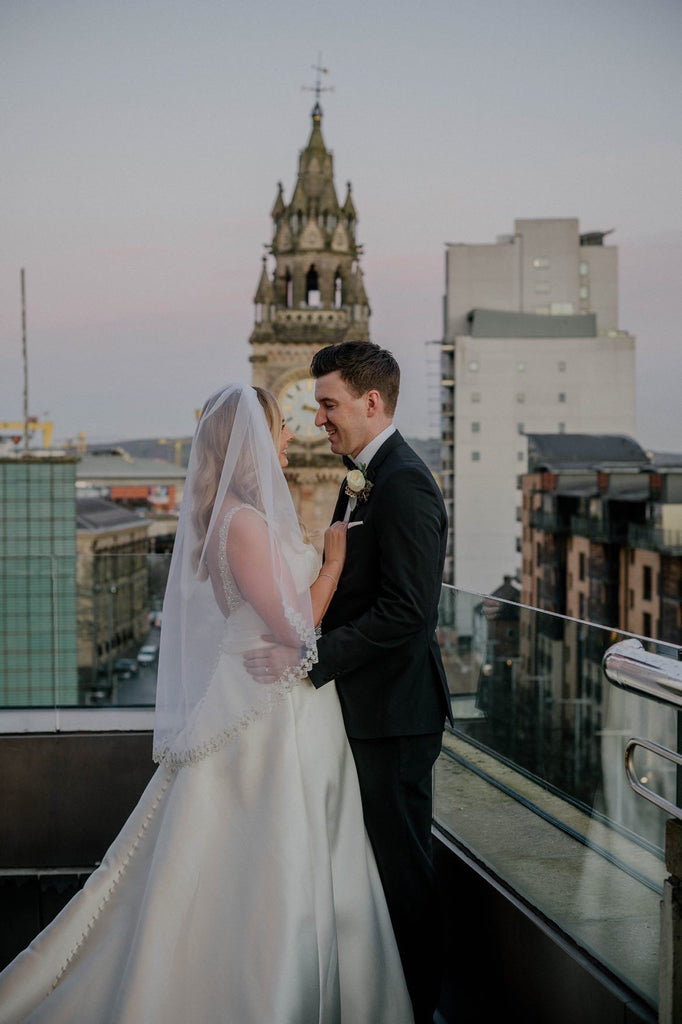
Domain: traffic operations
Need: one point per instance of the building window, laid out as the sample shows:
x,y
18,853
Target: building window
x,y
521,367
646,584
584,291
581,606
562,367
646,624
631,598
520,428
520,397
520,456
562,396
473,366
312,288
561,309
584,268
562,428
581,565
541,263
475,456
475,427
475,396
543,288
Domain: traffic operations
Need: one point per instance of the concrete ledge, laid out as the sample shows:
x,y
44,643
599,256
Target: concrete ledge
x,y
14,721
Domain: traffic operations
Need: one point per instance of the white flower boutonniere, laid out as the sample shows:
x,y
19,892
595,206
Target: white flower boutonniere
x,y
357,485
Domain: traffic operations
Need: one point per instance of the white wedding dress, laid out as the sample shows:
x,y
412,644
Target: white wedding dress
x,y
241,890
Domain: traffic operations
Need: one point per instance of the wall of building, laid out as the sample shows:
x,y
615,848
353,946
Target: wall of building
x,y
37,582
640,605
505,387
541,268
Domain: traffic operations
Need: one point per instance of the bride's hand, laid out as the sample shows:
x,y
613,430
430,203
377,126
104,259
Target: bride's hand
x,y
335,545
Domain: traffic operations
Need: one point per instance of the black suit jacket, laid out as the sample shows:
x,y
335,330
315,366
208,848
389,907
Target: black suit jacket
x,y
379,641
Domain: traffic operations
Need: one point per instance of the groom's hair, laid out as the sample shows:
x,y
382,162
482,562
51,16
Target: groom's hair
x,y
363,366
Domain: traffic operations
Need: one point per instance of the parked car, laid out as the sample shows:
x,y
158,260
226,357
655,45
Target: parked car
x,y
147,654
126,667
155,619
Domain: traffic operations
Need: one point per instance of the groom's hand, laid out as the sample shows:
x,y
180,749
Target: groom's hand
x,y
270,664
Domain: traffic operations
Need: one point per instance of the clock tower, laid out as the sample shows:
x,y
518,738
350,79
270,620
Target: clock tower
x,y
310,294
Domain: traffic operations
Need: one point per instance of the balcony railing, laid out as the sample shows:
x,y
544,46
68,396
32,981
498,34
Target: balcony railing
x,y
668,542
599,530
550,522
530,782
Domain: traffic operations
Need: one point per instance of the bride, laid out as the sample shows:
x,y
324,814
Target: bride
x,y
242,889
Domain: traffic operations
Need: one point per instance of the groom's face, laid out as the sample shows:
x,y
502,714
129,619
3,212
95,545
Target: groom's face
x,y
343,416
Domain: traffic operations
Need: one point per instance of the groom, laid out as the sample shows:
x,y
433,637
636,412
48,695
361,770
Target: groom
x,y
379,641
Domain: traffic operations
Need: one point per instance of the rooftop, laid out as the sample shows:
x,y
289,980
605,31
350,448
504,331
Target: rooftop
x,y
500,323
98,514
556,452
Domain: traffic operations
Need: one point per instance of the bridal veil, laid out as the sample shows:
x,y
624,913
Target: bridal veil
x,y
233,466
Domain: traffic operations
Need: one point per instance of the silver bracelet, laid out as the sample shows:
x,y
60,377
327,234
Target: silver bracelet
x,y
329,577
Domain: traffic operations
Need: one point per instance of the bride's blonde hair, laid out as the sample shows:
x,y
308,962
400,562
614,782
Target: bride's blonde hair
x,y
211,448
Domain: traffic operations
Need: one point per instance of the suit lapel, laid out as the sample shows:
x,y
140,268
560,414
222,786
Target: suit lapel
x,y
389,445
340,507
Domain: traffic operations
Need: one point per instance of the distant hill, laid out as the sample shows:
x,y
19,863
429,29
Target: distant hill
x,y
149,448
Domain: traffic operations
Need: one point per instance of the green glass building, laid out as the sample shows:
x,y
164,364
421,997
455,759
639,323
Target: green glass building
x,y
38,582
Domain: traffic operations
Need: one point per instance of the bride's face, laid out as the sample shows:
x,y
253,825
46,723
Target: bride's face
x,y
284,438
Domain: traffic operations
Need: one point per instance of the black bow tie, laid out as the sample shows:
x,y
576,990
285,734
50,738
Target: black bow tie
x,y
348,462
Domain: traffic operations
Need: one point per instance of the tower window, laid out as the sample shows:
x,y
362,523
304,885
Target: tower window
x,y
338,290
288,290
312,288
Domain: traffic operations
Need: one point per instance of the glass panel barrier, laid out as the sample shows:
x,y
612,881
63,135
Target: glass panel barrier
x,y
80,630
532,781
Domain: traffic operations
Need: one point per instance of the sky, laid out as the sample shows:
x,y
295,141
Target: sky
x,y
143,143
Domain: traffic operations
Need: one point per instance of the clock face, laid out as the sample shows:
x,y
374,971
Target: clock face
x,y
299,409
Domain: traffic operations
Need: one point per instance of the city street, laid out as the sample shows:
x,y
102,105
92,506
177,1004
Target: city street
x,y
139,690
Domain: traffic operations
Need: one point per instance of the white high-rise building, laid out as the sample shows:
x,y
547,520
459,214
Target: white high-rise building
x,y
531,345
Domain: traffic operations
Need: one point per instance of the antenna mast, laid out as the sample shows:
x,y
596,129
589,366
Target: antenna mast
x,y
318,88
24,356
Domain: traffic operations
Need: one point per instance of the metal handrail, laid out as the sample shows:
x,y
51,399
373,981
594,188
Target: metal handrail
x,y
639,787
628,665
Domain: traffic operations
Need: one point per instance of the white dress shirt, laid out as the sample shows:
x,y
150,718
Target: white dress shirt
x,y
365,457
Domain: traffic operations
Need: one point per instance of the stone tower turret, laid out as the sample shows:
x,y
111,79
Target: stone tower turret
x,y
310,294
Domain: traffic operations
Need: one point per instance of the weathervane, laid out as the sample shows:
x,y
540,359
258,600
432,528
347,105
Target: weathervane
x,y
318,88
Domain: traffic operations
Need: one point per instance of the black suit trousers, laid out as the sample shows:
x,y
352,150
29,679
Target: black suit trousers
x,y
395,776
